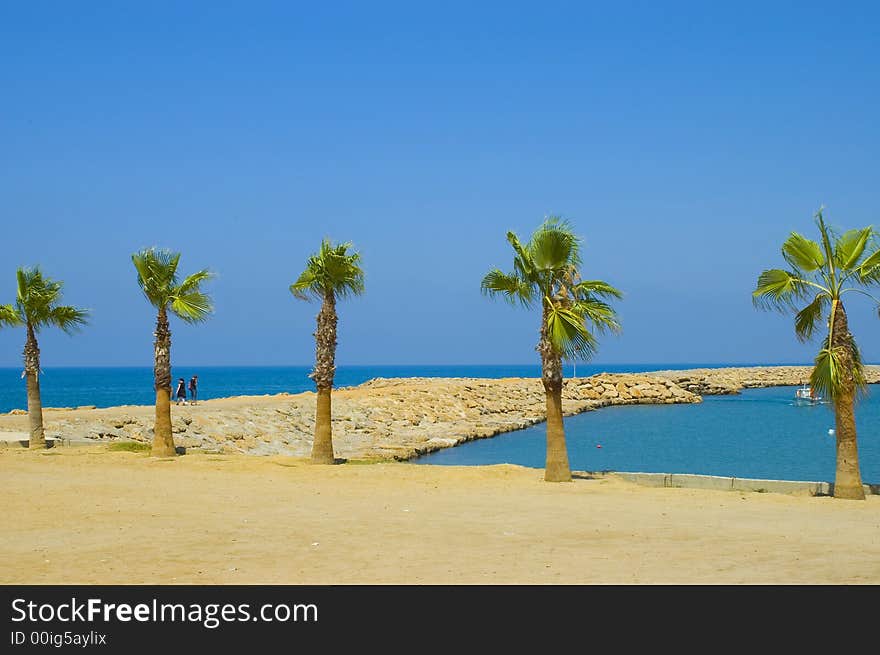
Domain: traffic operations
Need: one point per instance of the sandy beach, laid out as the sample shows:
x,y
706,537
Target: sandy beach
x,y
85,515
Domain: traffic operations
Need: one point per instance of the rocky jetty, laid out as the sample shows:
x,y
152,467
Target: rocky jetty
x,y
717,381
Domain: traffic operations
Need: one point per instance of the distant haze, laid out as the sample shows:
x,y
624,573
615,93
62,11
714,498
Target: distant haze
x,y
684,141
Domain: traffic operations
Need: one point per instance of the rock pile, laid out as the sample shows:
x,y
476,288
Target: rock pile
x,y
716,381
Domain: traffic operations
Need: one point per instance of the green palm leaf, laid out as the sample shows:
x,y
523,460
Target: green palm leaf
x,y
869,270
191,307
829,370
305,283
597,288
825,377
802,253
554,246
598,313
68,318
778,289
849,247
568,333
511,287
193,282
9,316
809,317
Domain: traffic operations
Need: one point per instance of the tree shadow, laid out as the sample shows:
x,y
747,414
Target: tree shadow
x,y
588,475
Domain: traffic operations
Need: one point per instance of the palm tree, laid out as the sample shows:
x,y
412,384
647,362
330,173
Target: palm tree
x,y
37,306
546,272
158,279
331,273
818,277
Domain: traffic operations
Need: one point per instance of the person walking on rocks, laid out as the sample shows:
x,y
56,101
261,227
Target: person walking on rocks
x,y
181,391
193,389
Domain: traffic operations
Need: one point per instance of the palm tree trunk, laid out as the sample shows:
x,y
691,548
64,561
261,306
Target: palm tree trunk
x,y
556,468
163,442
325,369
37,437
848,479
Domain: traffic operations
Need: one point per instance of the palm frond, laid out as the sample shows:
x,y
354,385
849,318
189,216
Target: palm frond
x,y
598,313
554,246
510,286
68,318
597,288
304,285
802,253
869,269
191,306
194,281
827,235
806,320
9,316
849,248
568,334
829,371
825,377
778,289
522,261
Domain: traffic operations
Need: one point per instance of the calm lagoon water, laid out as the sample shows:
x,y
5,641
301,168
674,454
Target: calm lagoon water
x,y
758,434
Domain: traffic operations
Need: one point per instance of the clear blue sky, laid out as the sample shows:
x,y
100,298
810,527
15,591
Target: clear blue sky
x,y
683,140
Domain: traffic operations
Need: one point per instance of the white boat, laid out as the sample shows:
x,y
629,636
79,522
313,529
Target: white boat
x,y
806,395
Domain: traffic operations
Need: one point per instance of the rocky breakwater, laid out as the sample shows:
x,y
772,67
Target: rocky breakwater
x,y
398,418
717,381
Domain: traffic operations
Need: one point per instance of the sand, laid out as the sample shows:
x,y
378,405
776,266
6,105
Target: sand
x,y
83,515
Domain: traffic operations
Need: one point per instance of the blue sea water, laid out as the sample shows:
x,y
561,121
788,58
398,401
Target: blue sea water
x,y
759,434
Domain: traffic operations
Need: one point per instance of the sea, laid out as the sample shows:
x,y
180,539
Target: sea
x,y
760,433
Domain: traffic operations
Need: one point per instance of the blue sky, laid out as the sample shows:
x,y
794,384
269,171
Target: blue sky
x,y
683,140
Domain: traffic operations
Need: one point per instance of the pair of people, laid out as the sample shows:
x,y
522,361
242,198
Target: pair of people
x,y
193,390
